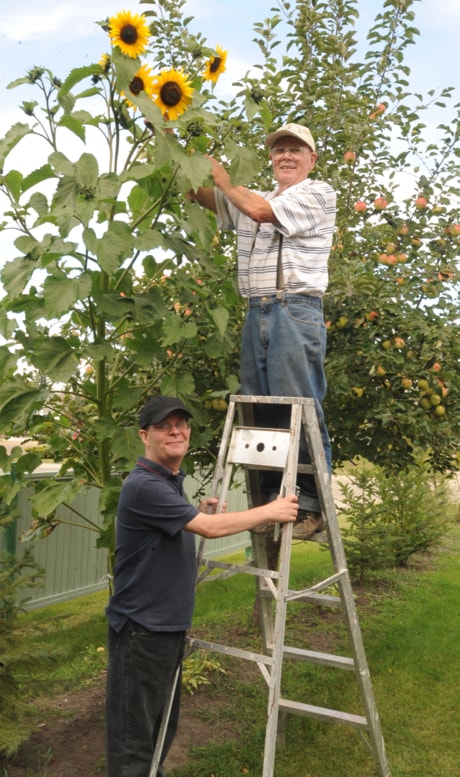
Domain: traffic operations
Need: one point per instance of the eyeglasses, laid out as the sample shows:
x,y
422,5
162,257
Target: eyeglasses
x,y
165,426
292,150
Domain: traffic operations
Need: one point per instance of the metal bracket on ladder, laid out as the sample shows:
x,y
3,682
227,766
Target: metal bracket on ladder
x,y
256,449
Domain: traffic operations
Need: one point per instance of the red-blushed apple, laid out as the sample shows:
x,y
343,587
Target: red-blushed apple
x,y
444,389
380,203
399,342
454,230
403,229
406,383
436,367
360,206
349,157
402,258
421,202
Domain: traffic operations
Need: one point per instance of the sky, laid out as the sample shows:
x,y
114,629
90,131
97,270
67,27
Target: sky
x,y
64,35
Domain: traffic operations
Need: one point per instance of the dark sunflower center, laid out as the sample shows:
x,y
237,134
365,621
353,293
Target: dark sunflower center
x,y
171,93
136,85
129,34
215,64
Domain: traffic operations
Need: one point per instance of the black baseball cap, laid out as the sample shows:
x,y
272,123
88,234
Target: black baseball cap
x,y
157,408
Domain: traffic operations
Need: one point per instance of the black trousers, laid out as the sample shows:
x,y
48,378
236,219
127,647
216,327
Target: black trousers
x,y
141,669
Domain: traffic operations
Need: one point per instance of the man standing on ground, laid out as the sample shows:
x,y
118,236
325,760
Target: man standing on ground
x,y
284,241
154,585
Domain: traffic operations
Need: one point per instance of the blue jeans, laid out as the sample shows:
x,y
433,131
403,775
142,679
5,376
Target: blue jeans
x,y
142,665
283,348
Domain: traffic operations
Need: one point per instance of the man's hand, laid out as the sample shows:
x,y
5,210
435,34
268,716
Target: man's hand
x,y
209,505
282,510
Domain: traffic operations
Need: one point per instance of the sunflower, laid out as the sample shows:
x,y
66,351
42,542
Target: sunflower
x,y
105,63
142,81
172,93
130,32
215,65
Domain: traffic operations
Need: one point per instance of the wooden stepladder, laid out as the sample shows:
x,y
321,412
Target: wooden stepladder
x,y
245,445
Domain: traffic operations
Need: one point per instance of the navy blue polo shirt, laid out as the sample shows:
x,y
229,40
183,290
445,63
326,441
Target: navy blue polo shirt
x,y
155,561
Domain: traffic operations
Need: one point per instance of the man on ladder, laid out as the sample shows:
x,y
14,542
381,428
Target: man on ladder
x,y
284,241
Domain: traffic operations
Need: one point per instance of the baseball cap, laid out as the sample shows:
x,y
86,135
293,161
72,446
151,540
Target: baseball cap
x,y
157,408
293,131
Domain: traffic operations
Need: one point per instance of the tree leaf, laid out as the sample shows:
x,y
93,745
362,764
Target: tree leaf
x,y
220,316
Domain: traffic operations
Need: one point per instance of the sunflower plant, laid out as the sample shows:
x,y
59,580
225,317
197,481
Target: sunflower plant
x,y
123,288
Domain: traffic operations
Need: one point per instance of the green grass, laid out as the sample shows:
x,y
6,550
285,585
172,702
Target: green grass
x,y
409,622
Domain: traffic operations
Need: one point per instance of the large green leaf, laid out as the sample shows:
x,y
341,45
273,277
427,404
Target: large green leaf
x,y
16,274
55,358
182,385
11,139
195,168
87,171
74,125
47,498
146,241
61,292
18,401
77,75
13,182
114,246
245,163
61,163
174,330
126,445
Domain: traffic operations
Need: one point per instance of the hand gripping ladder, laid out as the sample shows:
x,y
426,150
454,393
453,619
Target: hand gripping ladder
x,y
254,448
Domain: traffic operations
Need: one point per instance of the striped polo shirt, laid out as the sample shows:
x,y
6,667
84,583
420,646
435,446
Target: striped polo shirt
x,y
305,216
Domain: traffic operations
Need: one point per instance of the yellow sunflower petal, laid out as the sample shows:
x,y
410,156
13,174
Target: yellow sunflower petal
x,y
142,81
129,32
172,93
215,66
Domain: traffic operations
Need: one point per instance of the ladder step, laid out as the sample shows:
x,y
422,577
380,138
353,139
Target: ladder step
x,y
323,713
233,569
227,650
316,657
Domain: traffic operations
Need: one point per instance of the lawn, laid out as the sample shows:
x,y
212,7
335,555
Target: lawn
x,y
410,626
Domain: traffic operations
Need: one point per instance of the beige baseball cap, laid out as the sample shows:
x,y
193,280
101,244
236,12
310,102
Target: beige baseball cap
x,y
293,131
